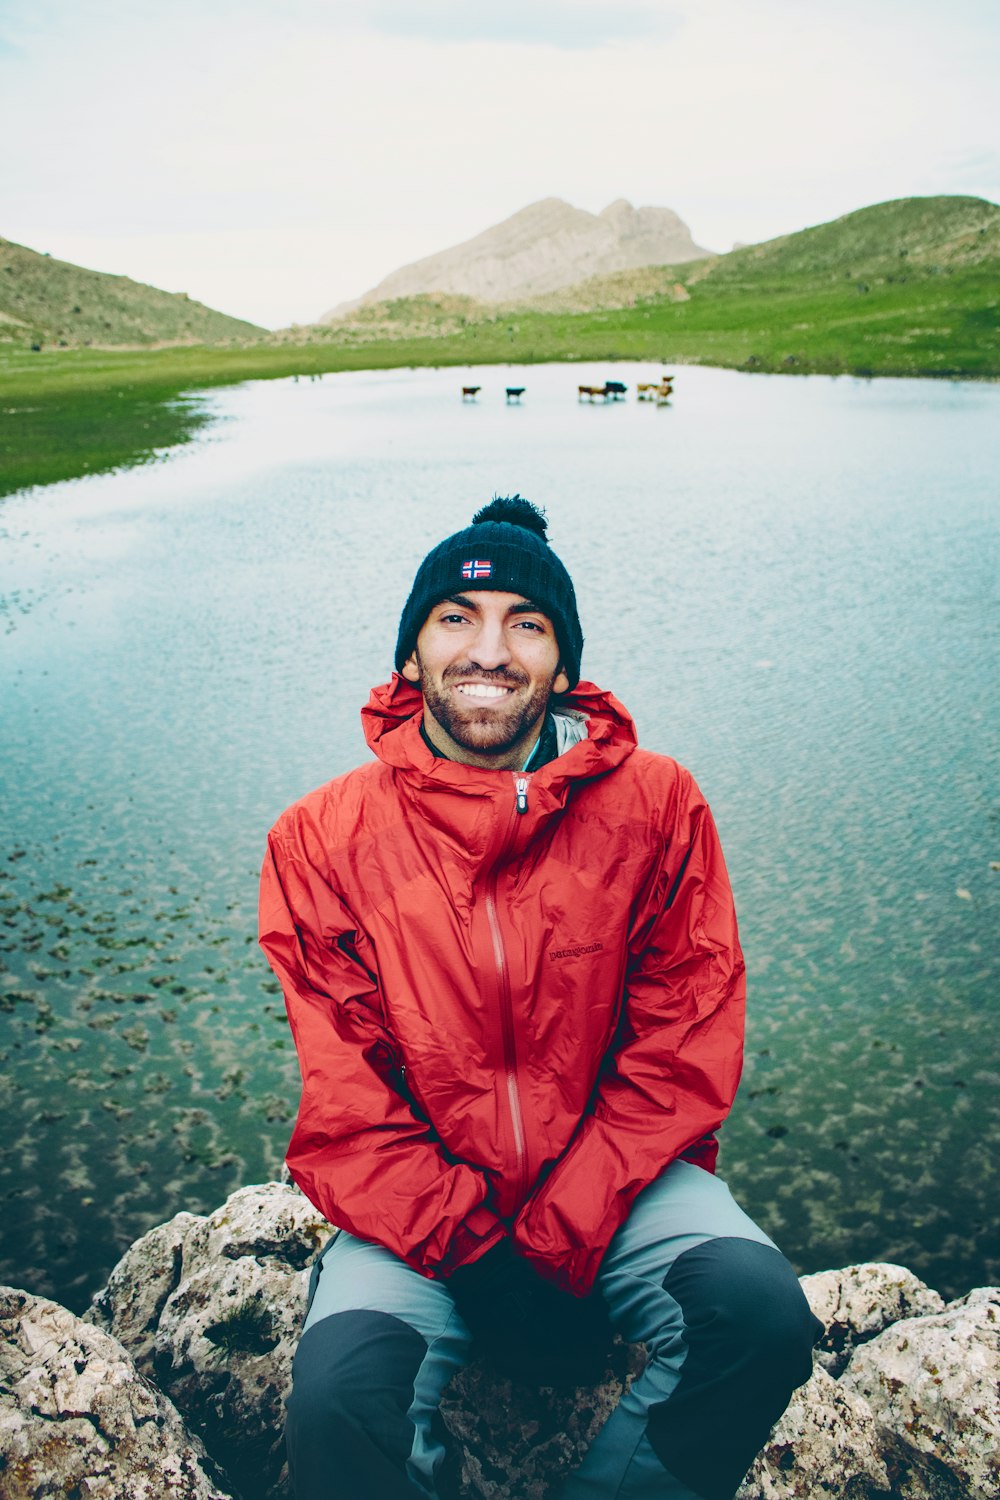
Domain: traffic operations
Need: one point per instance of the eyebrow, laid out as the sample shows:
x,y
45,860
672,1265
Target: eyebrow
x,y
526,607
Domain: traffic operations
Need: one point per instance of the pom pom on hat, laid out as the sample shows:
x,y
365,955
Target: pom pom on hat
x,y
516,511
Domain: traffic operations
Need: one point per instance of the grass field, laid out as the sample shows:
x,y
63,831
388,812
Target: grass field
x,y
906,289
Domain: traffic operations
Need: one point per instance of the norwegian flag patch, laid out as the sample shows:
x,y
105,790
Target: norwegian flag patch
x,y
477,567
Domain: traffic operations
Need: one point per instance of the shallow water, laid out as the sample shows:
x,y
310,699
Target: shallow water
x,y
790,582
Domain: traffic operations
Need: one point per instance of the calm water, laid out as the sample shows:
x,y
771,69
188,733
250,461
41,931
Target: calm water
x,y
790,582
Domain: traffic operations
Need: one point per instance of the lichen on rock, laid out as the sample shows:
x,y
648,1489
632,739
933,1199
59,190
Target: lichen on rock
x,y
932,1385
77,1418
855,1304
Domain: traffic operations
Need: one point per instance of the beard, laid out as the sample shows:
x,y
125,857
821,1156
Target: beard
x,y
487,730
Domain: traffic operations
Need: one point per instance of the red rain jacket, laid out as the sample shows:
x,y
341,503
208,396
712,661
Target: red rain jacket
x,y
506,1021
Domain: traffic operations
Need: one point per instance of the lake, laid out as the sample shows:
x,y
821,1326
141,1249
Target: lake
x,y
791,583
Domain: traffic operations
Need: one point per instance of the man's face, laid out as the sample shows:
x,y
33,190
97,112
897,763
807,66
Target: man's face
x,y
487,664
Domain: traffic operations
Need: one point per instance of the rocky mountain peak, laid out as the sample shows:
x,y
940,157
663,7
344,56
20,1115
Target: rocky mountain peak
x,y
547,245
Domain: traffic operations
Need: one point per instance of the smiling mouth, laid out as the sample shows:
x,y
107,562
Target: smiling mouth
x,y
484,691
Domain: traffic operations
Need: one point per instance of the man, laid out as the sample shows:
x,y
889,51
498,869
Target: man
x,y
511,965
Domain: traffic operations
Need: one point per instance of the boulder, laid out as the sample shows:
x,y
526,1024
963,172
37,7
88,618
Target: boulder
x,y
858,1302
131,1303
933,1385
78,1419
212,1307
826,1443
518,1443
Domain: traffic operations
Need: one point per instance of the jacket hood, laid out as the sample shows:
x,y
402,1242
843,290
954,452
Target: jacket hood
x,y
392,716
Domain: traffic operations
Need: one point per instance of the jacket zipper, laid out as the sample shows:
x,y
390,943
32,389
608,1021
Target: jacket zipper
x,y
506,1003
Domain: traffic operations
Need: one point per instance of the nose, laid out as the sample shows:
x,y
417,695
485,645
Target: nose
x,y
490,649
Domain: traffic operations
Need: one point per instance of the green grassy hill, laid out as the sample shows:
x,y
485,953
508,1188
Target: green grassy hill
x,y
892,241
46,302
903,288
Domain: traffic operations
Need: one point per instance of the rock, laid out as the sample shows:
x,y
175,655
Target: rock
x,y
857,1303
933,1384
518,1441
213,1308
547,245
131,1303
77,1418
826,1443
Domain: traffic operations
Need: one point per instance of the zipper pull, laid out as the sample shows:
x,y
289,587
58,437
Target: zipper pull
x,y
521,788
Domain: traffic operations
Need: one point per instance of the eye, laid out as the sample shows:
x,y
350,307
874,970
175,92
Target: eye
x,y
531,625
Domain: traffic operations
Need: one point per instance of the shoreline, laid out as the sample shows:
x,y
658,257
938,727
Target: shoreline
x,y
86,411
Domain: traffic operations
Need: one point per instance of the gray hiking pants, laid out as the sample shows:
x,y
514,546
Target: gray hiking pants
x,y
728,1331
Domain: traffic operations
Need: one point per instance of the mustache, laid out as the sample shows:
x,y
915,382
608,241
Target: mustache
x,y
498,676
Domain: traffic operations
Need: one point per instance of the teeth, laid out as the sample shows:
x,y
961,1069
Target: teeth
x,y
483,690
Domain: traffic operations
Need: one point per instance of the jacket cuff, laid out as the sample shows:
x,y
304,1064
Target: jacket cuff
x,y
478,1232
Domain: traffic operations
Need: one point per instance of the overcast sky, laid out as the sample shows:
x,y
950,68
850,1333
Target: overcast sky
x,y
275,157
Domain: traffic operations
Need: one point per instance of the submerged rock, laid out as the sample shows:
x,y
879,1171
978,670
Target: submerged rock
x,y
211,1309
77,1418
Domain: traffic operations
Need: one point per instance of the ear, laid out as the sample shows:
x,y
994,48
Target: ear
x,y
560,683
411,668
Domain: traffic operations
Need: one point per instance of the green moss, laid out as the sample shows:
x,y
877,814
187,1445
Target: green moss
x,y
245,1330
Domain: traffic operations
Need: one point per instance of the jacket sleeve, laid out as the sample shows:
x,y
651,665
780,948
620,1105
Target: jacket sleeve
x,y
671,1076
358,1151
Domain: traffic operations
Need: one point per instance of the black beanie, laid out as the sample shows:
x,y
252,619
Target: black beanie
x,y
505,549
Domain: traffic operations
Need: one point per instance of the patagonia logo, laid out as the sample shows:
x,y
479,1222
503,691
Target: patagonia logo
x,y
577,952
477,567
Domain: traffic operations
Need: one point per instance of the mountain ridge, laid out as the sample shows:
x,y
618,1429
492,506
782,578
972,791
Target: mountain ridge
x,y
881,246
547,245
943,229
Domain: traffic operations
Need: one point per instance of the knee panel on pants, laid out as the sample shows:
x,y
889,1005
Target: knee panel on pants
x,y
352,1389
742,1300
749,1334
